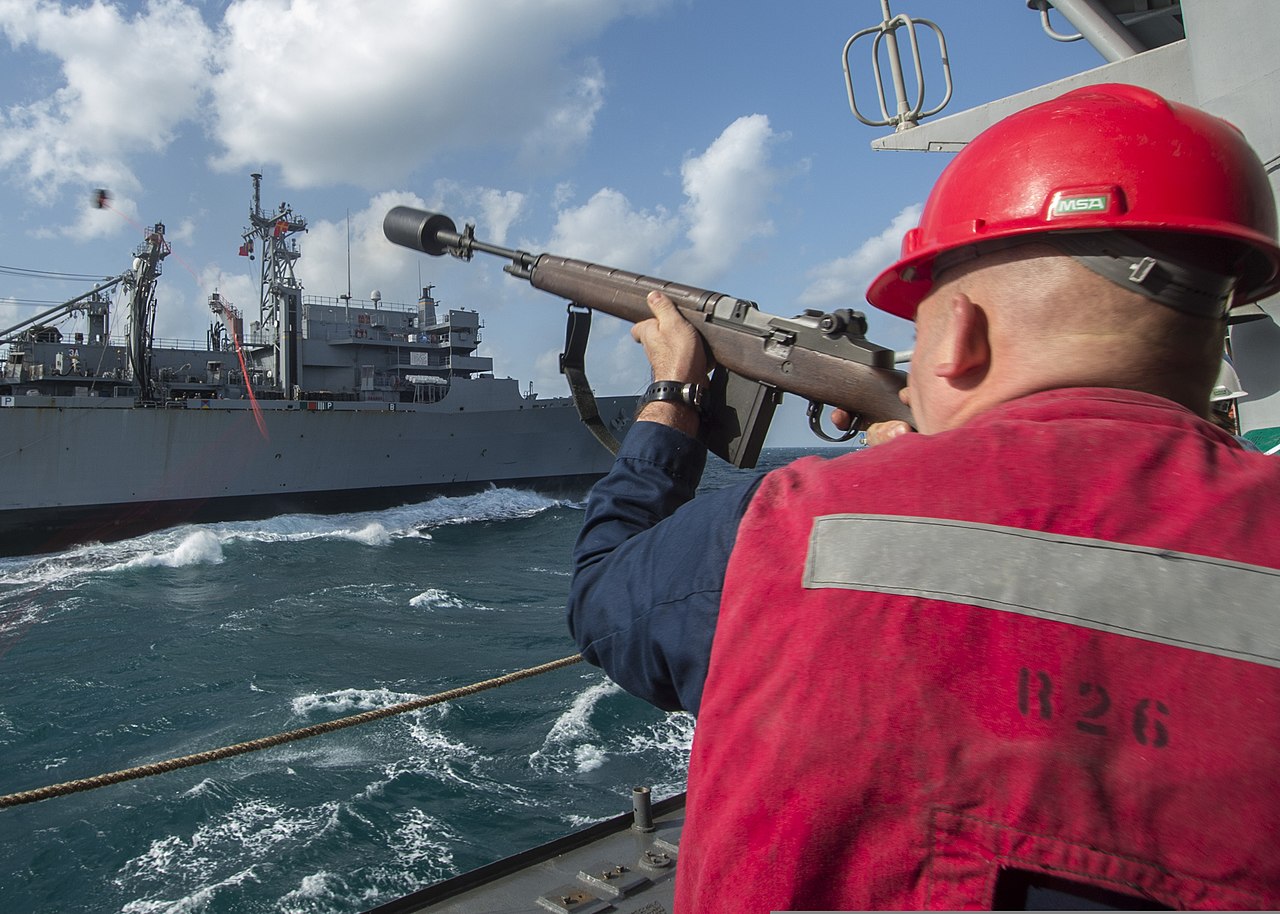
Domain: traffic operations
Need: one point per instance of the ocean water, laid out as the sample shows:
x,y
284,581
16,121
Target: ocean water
x,y
196,637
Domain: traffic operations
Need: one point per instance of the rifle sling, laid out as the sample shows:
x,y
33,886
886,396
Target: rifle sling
x,y
573,367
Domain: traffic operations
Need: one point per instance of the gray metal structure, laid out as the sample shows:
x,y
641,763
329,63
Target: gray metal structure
x,y
1218,55
624,865
325,404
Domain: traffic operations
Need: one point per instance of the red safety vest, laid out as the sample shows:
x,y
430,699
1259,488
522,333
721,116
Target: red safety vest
x,y
1047,642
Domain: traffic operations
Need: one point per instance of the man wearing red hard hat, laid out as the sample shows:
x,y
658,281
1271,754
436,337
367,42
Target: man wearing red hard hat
x,y
1032,651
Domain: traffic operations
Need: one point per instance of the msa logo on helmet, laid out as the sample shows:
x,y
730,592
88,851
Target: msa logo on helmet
x,y
1079,204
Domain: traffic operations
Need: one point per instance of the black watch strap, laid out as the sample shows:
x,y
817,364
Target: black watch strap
x,y
675,392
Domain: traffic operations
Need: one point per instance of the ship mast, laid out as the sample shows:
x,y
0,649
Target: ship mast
x,y
280,295
141,280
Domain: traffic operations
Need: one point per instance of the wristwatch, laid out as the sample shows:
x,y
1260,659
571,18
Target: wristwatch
x,y
675,392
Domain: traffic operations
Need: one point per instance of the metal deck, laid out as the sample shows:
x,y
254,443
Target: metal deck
x,y
624,864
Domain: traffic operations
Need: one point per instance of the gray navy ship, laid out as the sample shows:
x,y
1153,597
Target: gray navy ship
x,y
324,405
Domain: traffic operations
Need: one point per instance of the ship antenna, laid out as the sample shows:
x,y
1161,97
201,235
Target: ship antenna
x,y
907,115
257,194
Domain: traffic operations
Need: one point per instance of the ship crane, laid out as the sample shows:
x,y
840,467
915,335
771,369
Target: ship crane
x,y
140,282
142,308
231,323
92,301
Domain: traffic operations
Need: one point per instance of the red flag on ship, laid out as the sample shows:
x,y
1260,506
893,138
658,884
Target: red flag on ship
x,y
281,227
246,249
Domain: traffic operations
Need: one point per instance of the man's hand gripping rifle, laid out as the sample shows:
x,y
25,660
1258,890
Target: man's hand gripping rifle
x,y
823,357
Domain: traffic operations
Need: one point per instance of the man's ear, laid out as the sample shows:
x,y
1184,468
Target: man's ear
x,y
966,348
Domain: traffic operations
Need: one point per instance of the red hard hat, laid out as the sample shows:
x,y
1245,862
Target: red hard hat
x,y
1101,158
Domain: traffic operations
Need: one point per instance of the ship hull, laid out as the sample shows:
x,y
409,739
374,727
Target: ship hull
x,y
79,471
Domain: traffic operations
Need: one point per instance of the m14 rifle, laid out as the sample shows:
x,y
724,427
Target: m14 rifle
x,y
824,357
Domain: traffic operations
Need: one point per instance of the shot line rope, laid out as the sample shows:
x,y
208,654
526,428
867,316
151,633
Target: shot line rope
x,y
266,742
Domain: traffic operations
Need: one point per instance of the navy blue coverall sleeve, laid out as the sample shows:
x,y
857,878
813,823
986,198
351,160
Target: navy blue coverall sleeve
x,y
649,566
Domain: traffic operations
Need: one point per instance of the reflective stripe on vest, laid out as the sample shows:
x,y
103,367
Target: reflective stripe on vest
x,y
1191,601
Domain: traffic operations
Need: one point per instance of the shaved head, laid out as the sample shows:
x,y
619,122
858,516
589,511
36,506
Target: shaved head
x,y
1030,318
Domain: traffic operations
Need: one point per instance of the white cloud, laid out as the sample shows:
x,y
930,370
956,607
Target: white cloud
x,y
127,85
12,313
607,230
728,189
845,280
547,379
92,222
333,91
567,126
563,194
327,91
500,209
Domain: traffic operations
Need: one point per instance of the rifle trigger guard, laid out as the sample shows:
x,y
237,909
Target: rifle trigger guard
x,y
815,424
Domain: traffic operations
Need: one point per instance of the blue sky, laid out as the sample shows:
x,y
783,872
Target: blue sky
x,y
707,142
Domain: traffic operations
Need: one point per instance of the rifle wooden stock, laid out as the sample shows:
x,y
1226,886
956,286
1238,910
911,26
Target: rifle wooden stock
x,y
754,345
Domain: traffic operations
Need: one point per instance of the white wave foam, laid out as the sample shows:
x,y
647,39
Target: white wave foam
x,y
311,891
205,786
200,547
15,620
554,572
421,839
202,544
442,757
173,548
46,570
436,599
570,741
346,700
197,901
436,743
575,722
367,529
380,528
419,849
373,534
671,737
319,754
575,745
489,505
251,830
589,758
